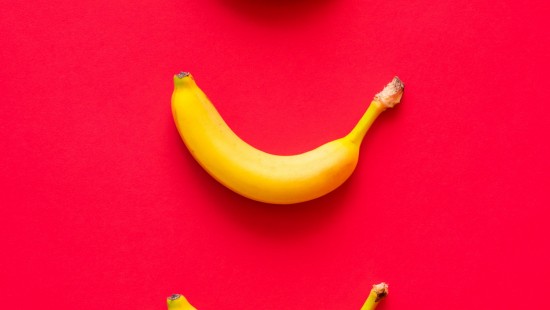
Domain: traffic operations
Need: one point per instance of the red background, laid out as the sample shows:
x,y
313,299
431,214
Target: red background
x,y
103,207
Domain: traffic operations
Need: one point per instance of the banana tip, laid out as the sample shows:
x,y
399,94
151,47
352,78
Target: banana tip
x,y
174,297
391,94
183,74
183,79
381,290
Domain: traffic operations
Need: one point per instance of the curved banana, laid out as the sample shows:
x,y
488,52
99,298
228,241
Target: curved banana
x,y
277,179
377,293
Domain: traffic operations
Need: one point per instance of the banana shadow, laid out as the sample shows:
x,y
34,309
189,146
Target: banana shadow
x,y
285,222
276,11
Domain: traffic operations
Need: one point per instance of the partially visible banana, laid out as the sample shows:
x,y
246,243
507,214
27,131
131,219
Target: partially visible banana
x,y
178,302
276,179
377,293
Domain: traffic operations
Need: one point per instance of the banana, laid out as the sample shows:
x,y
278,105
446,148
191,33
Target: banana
x,y
377,293
261,176
178,302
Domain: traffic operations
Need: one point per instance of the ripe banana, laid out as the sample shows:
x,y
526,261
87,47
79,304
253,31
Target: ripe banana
x,y
178,302
377,293
276,179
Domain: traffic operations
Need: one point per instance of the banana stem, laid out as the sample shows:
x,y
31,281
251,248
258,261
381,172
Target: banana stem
x,y
377,293
178,302
359,131
387,98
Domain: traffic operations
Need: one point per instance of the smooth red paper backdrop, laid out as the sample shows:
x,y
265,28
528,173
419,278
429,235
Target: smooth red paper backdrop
x,y
102,207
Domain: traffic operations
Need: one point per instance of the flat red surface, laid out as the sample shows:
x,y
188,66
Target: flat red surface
x,y
102,207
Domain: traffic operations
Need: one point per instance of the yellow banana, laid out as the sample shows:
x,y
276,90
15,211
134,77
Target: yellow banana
x,y
377,293
178,302
277,179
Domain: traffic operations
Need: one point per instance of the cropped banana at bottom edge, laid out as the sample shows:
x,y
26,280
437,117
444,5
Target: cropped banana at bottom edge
x,y
377,293
178,302
261,176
